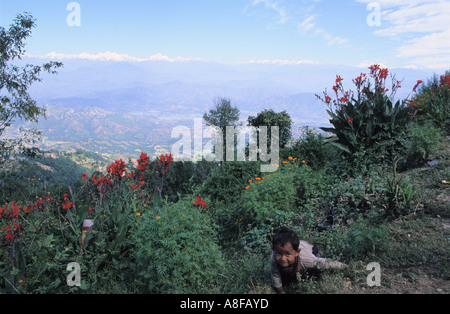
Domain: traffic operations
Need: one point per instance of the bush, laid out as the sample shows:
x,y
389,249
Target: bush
x,y
313,147
368,121
432,102
227,183
423,140
177,249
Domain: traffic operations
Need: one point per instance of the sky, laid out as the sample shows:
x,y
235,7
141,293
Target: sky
x,y
394,33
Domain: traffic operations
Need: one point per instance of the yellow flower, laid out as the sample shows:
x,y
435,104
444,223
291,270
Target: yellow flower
x,y
158,217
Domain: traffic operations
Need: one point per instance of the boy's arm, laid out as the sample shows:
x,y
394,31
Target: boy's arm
x,y
275,276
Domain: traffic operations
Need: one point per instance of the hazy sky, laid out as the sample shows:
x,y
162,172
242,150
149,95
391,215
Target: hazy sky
x,y
394,33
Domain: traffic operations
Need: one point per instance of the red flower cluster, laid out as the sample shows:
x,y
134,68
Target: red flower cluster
x,y
136,186
417,84
102,183
378,73
67,205
199,202
445,80
9,214
164,162
116,169
12,229
143,162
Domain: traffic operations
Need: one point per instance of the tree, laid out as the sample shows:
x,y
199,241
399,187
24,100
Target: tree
x,y
15,101
221,116
270,118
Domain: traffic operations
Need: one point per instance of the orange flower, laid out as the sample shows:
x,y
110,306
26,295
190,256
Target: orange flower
x,y
285,162
247,187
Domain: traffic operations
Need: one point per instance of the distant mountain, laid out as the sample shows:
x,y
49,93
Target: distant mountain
x,y
126,106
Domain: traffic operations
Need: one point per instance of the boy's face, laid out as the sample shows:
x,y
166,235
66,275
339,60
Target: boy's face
x,y
285,256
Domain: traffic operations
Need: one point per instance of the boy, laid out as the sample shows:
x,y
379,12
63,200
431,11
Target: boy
x,y
292,258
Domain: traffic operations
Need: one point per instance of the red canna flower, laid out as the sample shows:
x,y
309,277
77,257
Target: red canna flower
x,y
27,209
67,205
417,84
199,202
116,169
164,162
15,210
143,162
350,120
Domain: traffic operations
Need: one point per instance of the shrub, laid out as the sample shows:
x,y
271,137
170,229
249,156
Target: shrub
x,y
366,239
432,102
226,183
312,147
423,140
177,249
368,121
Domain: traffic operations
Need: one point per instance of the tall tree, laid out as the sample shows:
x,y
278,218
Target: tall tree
x,y
270,118
15,100
221,116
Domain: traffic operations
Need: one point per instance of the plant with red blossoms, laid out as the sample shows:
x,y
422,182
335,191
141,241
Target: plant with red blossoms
x,y
162,167
367,121
432,102
143,162
199,202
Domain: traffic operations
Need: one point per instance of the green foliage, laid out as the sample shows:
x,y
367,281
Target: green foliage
x,y
226,183
366,238
15,100
177,250
270,118
432,103
268,195
399,195
312,146
423,140
27,178
221,116
370,122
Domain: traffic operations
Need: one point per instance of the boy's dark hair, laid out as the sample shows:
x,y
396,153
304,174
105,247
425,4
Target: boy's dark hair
x,y
285,235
